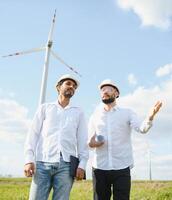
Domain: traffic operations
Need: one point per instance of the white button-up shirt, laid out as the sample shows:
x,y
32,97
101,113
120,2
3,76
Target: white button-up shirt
x,y
56,129
115,125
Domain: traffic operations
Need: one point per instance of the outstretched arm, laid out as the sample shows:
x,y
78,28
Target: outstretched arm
x,y
144,127
31,142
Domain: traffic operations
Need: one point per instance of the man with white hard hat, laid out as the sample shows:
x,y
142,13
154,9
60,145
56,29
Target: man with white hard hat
x,y
110,136
58,131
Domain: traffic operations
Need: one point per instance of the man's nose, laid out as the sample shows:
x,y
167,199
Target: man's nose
x,y
72,86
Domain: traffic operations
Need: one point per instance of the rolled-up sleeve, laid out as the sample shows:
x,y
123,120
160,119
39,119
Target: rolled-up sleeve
x,y
138,125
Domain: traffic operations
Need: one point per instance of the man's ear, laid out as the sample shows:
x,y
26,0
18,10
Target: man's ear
x,y
116,94
58,88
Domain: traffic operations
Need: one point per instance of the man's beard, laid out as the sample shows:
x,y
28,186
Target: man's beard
x,y
109,100
68,93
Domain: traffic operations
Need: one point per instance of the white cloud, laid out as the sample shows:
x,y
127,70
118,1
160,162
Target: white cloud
x,y
14,125
13,121
159,161
151,12
132,79
165,70
11,159
142,99
164,158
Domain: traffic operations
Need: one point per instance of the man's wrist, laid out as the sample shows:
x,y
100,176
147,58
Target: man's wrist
x,y
151,118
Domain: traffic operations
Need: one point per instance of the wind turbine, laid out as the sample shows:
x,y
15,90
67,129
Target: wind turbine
x,y
149,153
150,165
48,51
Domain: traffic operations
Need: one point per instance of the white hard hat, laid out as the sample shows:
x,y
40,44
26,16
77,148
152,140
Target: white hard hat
x,y
108,82
67,77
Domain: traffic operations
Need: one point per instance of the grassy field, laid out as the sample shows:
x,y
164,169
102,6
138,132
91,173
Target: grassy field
x,y
18,188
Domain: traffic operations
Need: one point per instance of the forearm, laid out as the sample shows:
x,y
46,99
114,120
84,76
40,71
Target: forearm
x,y
146,125
30,147
83,158
29,156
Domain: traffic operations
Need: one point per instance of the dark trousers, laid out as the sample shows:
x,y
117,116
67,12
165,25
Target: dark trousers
x,y
107,181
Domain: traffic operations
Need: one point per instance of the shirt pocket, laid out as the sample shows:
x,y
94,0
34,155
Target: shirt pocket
x,y
70,123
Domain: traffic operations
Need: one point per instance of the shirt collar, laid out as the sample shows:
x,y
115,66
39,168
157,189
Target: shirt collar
x,y
70,105
115,108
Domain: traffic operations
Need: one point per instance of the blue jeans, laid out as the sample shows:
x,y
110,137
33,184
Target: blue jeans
x,y
48,176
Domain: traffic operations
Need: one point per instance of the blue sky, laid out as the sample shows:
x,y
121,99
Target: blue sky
x,y
127,41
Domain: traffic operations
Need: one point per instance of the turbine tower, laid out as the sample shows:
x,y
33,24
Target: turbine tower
x,y
48,51
149,152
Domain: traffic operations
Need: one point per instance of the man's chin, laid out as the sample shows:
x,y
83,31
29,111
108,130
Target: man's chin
x,y
68,95
108,101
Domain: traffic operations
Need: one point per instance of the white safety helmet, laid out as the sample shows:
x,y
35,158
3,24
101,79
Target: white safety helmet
x,y
67,77
108,82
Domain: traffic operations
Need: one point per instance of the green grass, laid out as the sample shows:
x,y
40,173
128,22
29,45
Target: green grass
x,y
18,189
155,190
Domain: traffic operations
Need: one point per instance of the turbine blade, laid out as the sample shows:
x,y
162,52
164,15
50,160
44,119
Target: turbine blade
x,y
24,52
68,66
52,27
